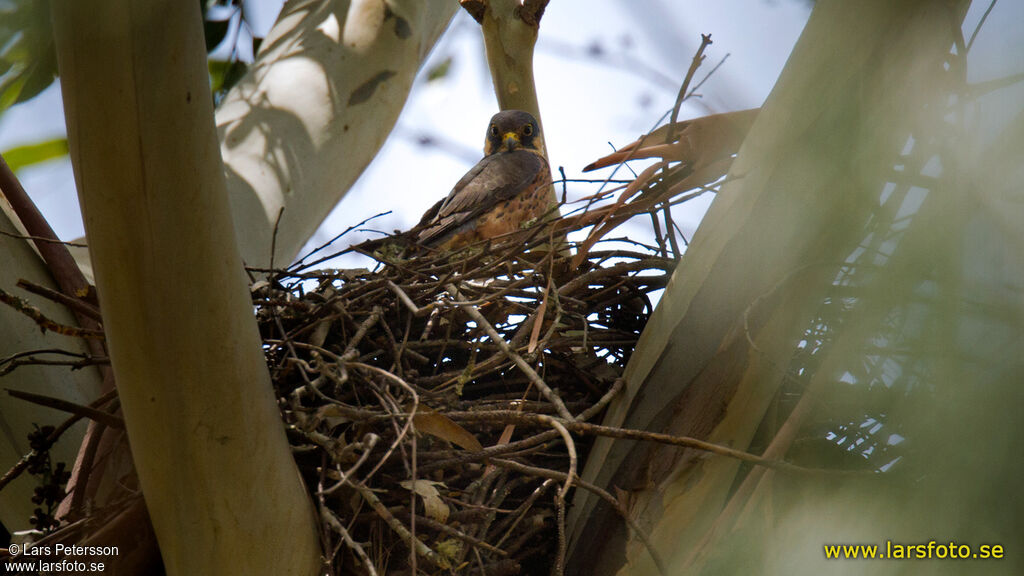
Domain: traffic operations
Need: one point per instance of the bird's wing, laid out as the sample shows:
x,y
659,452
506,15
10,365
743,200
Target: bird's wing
x,y
493,180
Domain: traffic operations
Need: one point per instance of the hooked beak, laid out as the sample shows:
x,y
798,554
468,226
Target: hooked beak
x,y
510,141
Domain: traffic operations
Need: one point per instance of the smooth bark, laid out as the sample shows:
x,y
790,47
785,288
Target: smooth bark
x,y
312,112
803,184
221,486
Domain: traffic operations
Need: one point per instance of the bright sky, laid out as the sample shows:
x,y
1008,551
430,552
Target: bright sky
x,y
606,71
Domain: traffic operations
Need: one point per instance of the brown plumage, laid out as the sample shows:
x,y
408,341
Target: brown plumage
x,y
507,188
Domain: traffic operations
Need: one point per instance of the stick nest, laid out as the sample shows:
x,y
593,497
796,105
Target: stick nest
x,y
423,398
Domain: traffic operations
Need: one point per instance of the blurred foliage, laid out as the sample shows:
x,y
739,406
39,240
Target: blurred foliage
x,y
223,22
29,154
223,75
440,70
853,305
28,59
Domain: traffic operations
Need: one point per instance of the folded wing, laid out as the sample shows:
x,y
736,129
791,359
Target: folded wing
x,y
495,179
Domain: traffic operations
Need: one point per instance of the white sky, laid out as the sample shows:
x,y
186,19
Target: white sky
x,y
586,101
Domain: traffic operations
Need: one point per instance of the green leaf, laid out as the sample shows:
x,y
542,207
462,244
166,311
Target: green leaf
x,y
439,71
28,59
38,77
224,74
29,154
10,88
218,70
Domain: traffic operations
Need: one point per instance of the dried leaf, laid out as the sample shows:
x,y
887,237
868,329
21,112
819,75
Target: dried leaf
x,y
697,142
443,427
603,227
434,506
330,414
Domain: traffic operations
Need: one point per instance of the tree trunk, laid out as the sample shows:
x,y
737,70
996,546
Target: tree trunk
x,y
806,185
313,111
214,465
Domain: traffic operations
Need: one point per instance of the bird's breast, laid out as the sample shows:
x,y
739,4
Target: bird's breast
x,y
510,215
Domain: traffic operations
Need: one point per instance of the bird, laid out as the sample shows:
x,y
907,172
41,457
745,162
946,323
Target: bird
x,y
507,188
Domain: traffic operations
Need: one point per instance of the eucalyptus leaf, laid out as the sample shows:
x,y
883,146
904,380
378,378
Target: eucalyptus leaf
x,y
28,61
440,70
29,154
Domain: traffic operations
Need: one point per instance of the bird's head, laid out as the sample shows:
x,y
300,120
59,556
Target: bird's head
x,y
511,130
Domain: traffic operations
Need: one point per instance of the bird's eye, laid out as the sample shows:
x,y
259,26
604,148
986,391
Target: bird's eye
x,y
494,130
528,130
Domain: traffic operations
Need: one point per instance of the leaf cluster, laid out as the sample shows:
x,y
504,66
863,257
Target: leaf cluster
x,y
28,56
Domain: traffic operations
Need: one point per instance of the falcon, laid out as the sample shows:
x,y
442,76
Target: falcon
x,y
507,188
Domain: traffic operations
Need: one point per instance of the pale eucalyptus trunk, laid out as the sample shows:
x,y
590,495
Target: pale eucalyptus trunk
x,y
323,95
806,191
212,459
